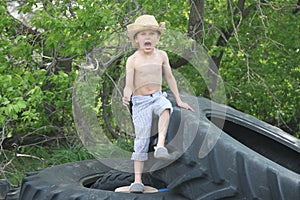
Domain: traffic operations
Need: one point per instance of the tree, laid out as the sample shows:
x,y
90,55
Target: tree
x,y
254,45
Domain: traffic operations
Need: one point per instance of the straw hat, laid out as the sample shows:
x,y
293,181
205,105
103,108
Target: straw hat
x,y
142,23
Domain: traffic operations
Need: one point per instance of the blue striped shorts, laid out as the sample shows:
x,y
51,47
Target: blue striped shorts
x,y
143,109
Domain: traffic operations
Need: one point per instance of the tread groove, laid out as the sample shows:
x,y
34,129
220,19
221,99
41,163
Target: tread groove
x,y
219,194
194,174
243,177
214,167
274,184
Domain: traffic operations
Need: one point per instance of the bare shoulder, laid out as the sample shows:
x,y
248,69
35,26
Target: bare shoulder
x,y
131,57
163,53
164,57
130,60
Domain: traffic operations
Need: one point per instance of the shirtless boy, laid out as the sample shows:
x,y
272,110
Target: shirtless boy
x,y
143,86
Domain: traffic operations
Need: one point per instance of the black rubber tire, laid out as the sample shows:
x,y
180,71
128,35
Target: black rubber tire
x,y
4,188
73,180
250,160
114,179
13,194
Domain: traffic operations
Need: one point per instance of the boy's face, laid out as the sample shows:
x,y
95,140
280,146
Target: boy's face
x,y
147,39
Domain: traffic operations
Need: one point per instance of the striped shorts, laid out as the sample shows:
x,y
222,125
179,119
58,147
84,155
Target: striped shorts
x,y
143,109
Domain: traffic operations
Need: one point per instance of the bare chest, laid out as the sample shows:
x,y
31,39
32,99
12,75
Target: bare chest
x,y
151,69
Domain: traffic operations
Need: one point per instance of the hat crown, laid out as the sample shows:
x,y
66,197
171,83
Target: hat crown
x,y
146,20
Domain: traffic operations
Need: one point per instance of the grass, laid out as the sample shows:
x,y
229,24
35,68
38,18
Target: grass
x,y
14,166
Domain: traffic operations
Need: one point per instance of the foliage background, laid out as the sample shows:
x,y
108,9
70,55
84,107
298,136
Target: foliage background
x,y
255,45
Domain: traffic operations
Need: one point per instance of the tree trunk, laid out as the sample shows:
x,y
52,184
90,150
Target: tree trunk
x,y
195,27
196,21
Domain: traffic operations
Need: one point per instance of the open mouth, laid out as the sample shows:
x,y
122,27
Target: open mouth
x,y
147,45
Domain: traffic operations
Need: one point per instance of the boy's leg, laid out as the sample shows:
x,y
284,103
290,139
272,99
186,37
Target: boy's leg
x,y
161,152
138,171
164,110
142,120
163,124
140,155
137,186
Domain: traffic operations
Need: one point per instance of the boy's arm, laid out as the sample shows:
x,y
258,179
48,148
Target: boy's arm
x,y
128,89
172,82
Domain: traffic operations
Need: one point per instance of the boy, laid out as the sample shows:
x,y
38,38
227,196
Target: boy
x,y
144,71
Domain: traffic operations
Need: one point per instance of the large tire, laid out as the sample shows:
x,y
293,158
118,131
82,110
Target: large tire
x,y
73,180
250,159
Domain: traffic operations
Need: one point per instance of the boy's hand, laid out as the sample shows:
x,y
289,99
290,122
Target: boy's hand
x,y
185,106
126,101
